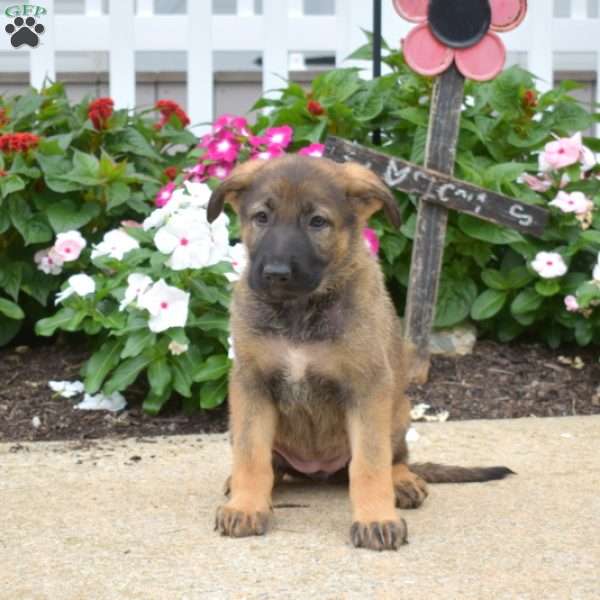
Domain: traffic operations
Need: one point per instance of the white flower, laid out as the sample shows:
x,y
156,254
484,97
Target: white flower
x,y
587,158
175,348
167,305
575,202
69,245
238,256
114,402
549,265
115,244
187,239
571,303
80,284
48,261
219,237
66,389
199,193
230,352
156,218
137,284
596,273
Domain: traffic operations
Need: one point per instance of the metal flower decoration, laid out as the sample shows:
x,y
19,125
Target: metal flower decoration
x,y
461,31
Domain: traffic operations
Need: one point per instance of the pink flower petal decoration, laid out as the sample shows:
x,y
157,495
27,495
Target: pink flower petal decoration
x,y
507,14
412,10
484,61
424,53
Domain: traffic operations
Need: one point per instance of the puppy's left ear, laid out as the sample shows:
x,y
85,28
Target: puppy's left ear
x,y
369,193
231,189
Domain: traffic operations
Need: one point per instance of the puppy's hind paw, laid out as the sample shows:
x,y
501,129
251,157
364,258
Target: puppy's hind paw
x,y
379,535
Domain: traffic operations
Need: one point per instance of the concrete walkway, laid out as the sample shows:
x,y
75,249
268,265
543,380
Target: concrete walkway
x,y
133,520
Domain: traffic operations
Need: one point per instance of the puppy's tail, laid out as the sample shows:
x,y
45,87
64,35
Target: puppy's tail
x,y
434,473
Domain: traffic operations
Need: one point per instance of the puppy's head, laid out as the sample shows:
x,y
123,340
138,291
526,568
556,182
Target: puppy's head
x,y
301,219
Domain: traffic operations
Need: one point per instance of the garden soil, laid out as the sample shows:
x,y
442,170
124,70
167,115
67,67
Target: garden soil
x,y
495,382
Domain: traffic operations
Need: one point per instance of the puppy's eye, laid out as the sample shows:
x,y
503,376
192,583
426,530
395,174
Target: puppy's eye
x,y
261,218
318,222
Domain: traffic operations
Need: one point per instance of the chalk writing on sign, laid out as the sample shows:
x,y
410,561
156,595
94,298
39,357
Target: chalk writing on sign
x,y
442,189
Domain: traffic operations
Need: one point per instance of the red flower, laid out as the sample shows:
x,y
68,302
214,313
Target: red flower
x,y
167,109
18,142
3,117
2,173
530,99
315,108
99,111
170,173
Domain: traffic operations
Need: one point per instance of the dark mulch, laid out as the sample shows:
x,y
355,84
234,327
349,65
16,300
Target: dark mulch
x,y
497,381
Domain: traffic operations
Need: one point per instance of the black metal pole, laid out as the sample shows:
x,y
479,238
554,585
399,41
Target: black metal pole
x,y
377,55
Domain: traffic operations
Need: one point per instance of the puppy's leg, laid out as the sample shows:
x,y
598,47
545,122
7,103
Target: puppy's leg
x,y
376,524
253,423
410,489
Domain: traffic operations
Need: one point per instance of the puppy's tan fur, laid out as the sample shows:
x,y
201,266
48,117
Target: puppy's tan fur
x,y
321,377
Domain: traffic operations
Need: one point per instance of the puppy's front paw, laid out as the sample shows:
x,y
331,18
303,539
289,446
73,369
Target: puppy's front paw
x,y
237,522
379,535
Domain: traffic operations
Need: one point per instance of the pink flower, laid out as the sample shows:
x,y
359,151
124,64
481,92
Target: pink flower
x,y
197,173
164,195
575,202
371,240
571,304
561,153
224,149
257,140
535,183
220,170
48,261
69,245
224,121
549,265
269,153
316,150
279,136
240,125
205,140
480,58
234,123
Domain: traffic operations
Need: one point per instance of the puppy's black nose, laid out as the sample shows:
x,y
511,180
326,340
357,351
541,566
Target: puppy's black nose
x,y
277,273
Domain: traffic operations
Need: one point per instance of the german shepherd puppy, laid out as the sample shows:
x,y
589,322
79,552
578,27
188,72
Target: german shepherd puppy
x,y
317,386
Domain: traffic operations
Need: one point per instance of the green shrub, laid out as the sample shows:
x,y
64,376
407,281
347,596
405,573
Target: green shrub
x,y
66,167
487,274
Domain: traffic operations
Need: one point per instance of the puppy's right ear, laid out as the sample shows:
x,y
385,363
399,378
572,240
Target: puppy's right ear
x,y
230,190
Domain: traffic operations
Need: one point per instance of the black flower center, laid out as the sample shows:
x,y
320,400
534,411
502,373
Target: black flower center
x,y
459,23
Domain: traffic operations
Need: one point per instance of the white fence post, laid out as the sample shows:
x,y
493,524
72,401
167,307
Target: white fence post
x,y
200,81
579,9
540,57
275,49
93,8
42,63
352,15
145,8
122,53
245,8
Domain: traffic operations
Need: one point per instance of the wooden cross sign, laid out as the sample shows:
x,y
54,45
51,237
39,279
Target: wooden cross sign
x,y
453,40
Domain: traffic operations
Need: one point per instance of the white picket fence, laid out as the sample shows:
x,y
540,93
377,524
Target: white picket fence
x,y
281,29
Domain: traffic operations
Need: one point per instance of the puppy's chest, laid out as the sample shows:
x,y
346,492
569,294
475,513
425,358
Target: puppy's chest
x,y
300,381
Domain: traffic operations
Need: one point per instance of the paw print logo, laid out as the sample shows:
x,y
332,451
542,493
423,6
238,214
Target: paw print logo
x,y
24,31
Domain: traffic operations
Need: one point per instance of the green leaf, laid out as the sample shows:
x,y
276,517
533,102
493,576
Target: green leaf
x,y
66,214
584,332
159,376
504,172
211,321
488,232
393,246
213,393
528,301
547,287
118,193
61,320
8,329
213,368
591,236
137,342
154,401
10,183
10,309
33,228
488,304
495,279
126,373
132,141
336,85
11,275
86,164
182,378
519,277
101,363
26,105
454,301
